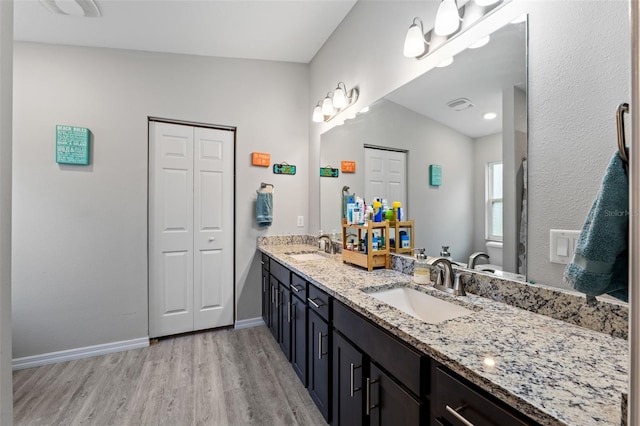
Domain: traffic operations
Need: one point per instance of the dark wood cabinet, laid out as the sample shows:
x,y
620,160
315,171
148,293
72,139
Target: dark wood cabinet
x,y
266,297
347,399
319,355
299,337
274,323
284,317
459,403
388,403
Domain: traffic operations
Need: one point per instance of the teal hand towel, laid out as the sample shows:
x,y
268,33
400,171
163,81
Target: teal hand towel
x,y
264,209
600,264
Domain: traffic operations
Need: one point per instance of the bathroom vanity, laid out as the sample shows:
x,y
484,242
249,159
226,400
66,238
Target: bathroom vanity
x,y
366,362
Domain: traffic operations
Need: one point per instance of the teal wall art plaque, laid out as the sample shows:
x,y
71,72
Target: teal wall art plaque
x,y
72,145
284,169
329,172
435,175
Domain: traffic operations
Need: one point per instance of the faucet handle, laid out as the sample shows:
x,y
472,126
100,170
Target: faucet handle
x,y
458,287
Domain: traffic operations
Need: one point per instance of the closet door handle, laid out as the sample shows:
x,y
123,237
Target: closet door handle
x,y
369,407
352,371
459,416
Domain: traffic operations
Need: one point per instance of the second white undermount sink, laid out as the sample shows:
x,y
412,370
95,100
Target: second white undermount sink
x,y
307,256
420,305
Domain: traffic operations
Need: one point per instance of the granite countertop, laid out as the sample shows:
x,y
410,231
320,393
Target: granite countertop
x,y
552,371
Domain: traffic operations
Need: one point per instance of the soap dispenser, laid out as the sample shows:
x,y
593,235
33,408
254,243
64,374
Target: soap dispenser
x,y
421,269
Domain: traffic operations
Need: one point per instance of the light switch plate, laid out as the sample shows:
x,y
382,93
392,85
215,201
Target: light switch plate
x,y
562,245
300,221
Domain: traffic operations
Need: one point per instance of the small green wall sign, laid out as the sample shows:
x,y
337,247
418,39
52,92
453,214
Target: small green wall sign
x,y
329,172
435,175
72,145
284,169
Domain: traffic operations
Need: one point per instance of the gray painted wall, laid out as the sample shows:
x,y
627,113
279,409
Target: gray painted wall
x,y
80,245
579,69
427,142
6,89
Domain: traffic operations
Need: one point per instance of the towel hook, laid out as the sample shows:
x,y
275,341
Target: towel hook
x,y
622,146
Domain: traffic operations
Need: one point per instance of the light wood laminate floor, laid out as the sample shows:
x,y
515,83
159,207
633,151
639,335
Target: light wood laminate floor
x,y
221,377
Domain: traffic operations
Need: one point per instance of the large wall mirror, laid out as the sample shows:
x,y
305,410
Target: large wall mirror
x,y
444,118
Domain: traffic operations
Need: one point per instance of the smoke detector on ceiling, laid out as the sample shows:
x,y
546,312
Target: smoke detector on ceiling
x,y
87,8
460,104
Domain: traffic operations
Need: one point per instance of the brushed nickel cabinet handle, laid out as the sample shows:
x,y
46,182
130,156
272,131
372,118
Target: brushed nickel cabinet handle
x,y
264,281
295,288
320,345
368,399
352,369
289,312
459,416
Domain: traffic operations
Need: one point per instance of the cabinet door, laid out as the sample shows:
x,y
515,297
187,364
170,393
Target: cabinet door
x,y
387,403
318,362
347,387
284,299
266,297
274,324
299,338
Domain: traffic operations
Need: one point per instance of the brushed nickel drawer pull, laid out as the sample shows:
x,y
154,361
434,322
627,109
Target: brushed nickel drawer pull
x,y
310,300
294,288
320,353
459,416
289,312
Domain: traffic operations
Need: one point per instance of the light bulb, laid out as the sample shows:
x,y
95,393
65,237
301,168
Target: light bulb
x,y
327,106
482,42
339,98
317,114
486,2
447,18
414,42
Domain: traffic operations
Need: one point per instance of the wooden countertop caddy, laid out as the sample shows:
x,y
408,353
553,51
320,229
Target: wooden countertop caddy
x,y
372,258
397,226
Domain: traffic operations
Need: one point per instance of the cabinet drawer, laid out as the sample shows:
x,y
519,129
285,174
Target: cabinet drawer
x,y
319,302
265,261
280,272
406,364
298,287
457,401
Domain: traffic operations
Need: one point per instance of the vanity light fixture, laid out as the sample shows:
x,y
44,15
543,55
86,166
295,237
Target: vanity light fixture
x,y
447,18
415,43
85,8
489,115
482,42
418,44
334,103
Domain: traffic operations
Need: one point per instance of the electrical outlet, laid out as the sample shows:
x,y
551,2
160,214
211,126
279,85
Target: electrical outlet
x,y
300,221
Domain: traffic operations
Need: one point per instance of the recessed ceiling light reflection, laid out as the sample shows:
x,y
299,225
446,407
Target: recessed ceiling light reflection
x,y
489,362
445,63
482,42
489,115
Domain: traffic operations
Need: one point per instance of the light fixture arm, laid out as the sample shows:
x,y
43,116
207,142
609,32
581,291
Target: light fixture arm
x,y
351,95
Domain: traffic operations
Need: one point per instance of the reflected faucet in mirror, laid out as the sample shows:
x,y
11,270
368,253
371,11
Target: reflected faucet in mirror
x,y
474,258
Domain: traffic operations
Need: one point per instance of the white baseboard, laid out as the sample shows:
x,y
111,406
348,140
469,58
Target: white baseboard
x,y
248,323
78,353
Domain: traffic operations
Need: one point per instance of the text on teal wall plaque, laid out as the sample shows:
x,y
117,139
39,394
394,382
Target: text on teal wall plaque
x,y
72,145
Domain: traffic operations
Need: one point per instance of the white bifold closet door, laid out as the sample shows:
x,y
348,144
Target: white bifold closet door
x,y
190,228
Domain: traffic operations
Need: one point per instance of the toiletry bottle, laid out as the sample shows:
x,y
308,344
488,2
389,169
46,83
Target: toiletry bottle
x,y
421,269
397,215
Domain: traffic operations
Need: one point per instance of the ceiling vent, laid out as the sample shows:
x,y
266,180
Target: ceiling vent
x,y
460,104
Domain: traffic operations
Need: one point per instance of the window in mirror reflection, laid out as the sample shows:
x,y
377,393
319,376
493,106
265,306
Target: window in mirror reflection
x,y
494,201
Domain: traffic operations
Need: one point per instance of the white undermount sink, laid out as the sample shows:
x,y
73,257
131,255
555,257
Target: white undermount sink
x,y
307,256
420,305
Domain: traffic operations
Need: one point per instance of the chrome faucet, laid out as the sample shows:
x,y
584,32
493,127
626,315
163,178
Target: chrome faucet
x,y
330,249
447,280
474,257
